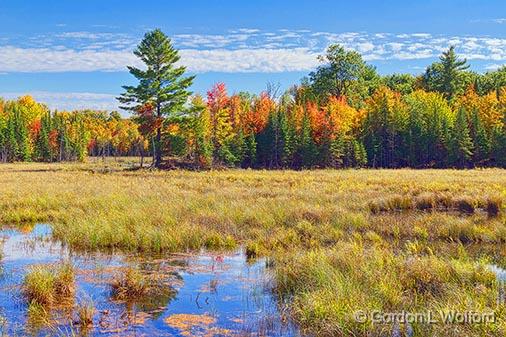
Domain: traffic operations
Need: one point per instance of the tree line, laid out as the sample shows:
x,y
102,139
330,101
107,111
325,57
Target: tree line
x,y
29,131
343,114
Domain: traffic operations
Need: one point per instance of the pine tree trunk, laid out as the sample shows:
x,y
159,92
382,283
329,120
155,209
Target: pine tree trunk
x,y
158,150
158,144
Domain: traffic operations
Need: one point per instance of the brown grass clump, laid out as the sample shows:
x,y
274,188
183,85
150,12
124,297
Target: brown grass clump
x,y
394,203
64,283
493,206
465,204
48,285
130,284
444,201
425,202
426,275
85,312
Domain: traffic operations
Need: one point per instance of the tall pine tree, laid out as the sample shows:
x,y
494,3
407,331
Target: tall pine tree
x,y
162,83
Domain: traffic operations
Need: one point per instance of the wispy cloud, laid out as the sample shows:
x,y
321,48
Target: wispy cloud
x,y
250,60
493,66
13,59
239,50
69,100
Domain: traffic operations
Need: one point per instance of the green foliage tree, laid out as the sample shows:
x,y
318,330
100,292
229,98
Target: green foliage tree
x,y
480,140
200,125
344,73
401,83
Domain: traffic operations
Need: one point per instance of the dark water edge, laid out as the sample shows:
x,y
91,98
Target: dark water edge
x,y
202,294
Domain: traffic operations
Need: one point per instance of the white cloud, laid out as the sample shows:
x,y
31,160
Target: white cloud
x,y
365,47
69,100
13,59
249,60
80,35
421,35
493,66
240,50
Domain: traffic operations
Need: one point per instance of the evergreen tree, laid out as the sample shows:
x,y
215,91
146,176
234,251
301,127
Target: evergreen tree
x,y
337,152
250,155
161,84
42,146
462,144
3,138
359,154
288,140
480,140
307,152
447,76
498,147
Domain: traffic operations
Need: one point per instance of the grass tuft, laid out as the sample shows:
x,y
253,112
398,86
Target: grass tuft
x,y
493,206
129,284
48,285
465,204
85,312
425,202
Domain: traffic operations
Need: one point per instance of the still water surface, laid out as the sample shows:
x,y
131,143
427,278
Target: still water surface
x,y
203,295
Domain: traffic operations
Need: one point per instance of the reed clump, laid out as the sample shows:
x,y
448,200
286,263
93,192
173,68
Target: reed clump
x,y
85,312
129,284
49,285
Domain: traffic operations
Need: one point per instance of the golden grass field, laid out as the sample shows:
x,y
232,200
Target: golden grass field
x,y
341,240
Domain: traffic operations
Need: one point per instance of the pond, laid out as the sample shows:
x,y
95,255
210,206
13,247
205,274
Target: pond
x,y
202,295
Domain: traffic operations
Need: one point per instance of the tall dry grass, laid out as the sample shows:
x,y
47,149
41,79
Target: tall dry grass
x,y
345,240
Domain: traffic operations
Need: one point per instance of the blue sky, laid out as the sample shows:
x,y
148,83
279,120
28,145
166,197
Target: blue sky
x,y
73,54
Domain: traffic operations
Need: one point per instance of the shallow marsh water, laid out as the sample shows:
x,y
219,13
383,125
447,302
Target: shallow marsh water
x,y
203,295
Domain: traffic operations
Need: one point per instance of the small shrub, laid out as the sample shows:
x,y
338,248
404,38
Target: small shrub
x,y
129,284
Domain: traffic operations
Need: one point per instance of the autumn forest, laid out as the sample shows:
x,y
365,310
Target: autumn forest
x,y
343,114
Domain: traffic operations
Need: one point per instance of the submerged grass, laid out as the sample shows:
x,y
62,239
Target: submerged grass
x,y
342,240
